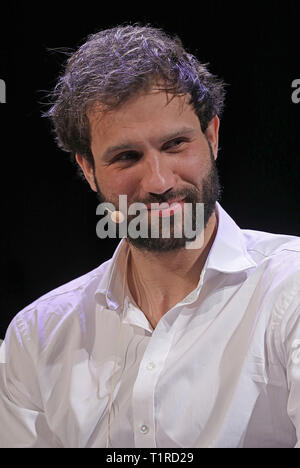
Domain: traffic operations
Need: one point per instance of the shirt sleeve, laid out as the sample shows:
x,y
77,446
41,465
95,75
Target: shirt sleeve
x,y
23,420
290,339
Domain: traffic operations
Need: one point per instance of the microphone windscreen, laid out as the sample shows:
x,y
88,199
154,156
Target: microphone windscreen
x,y
116,216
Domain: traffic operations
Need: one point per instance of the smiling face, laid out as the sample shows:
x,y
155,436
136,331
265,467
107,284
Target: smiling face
x,y
153,150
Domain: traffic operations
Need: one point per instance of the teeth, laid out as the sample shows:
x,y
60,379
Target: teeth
x,y
164,206
167,206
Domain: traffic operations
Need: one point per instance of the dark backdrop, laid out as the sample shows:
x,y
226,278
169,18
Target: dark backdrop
x,y
48,216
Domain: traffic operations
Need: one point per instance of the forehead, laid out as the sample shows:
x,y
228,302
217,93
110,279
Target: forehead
x,y
152,113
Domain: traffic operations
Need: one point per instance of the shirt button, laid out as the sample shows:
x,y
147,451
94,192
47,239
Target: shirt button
x,y
144,429
151,366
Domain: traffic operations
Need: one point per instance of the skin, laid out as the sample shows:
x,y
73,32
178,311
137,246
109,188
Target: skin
x,y
154,165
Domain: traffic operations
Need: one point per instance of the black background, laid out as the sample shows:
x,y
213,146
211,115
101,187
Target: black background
x,y
48,216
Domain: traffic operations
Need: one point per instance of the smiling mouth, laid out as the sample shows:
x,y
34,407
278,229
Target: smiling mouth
x,y
166,209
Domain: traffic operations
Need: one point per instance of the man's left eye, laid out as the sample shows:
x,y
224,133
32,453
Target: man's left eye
x,y
176,143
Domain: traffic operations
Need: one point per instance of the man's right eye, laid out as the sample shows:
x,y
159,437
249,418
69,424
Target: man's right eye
x,y
126,156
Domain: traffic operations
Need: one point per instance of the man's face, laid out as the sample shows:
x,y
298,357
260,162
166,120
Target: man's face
x,y
153,150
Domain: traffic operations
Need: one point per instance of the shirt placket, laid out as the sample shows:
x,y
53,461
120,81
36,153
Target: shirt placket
x,y
144,388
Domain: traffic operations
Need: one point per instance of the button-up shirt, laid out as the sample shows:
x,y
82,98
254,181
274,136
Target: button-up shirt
x,y
221,368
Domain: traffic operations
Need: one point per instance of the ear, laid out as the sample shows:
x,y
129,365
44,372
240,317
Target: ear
x,y
212,134
87,169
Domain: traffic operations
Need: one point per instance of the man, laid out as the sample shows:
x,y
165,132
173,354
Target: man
x,y
166,344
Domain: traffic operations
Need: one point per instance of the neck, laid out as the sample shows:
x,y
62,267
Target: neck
x,y
159,281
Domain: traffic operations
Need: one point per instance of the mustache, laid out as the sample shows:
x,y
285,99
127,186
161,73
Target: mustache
x,y
191,194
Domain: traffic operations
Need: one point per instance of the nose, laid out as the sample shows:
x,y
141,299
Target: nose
x,y
158,176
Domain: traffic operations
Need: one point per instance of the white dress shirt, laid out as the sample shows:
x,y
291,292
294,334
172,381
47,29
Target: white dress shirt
x,y
221,368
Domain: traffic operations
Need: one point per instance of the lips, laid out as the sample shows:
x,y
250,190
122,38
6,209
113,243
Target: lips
x,y
167,209
166,205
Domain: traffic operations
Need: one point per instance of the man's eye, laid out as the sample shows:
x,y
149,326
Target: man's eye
x,y
175,143
126,156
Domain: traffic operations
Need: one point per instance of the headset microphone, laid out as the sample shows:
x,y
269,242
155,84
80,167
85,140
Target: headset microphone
x,y
116,216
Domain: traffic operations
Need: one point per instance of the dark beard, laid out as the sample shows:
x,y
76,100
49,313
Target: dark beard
x,y
211,192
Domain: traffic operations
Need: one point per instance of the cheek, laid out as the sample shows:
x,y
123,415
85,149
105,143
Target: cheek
x,y
194,166
114,183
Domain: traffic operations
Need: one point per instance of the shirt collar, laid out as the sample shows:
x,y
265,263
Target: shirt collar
x,y
228,254
110,290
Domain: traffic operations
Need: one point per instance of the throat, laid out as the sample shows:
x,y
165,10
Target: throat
x,y
155,301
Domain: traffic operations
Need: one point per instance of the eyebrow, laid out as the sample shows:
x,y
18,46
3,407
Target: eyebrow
x,y
129,144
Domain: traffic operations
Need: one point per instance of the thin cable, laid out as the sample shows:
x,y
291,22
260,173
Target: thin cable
x,y
117,352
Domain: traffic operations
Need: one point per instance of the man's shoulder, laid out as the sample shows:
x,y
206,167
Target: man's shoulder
x,y
57,305
266,244
278,255
77,286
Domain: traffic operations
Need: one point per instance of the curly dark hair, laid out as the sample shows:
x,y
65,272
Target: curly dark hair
x,y
115,64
